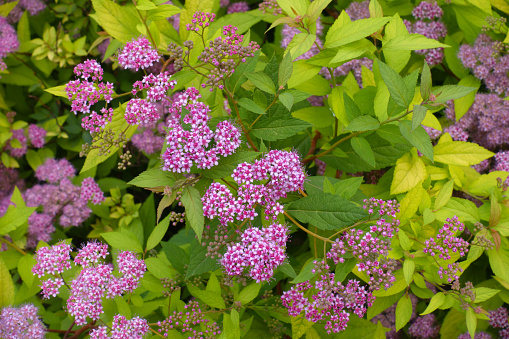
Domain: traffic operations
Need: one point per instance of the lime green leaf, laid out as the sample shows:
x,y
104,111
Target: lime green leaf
x,y
411,42
248,293
194,209
395,84
154,177
450,92
6,285
119,21
294,7
425,82
471,321
318,116
262,81
287,100
58,91
403,311
125,241
158,233
300,44
375,10
363,123
214,300
409,172
326,211
300,325
462,105
163,12
444,195
285,69
408,269
353,50
353,31
460,153
231,326
25,265
435,302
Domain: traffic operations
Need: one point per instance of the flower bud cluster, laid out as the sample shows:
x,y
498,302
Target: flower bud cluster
x,y
138,53
21,322
332,301
424,327
134,328
498,318
86,91
446,241
200,20
267,5
95,281
224,54
258,253
189,318
429,24
189,137
238,7
262,183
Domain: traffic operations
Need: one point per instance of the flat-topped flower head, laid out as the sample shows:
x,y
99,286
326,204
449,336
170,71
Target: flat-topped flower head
x,y
52,260
21,322
138,54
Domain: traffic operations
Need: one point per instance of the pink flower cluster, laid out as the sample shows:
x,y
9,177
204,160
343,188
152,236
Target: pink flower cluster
x,y
18,152
36,135
238,7
358,10
138,53
332,301
259,252
424,327
122,328
429,24
21,322
262,183
86,91
200,20
194,146
94,281
266,5
8,41
444,244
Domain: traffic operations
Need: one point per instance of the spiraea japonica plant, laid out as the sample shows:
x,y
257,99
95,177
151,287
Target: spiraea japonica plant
x,y
275,169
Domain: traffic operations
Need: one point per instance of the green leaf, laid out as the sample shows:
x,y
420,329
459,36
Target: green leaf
x,y
124,241
154,177
418,116
300,44
404,241
226,165
194,209
118,124
177,257
326,211
158,233
353,31
239,76
214,300
343,269
231,326
411,42
375,10
408,269
262,81
300,325
403,311
287,269
320,117
363,123
460,153
450,92
294,7
395,84
471,321
287,100
14,218
248,293
425,82
119,21
352,51
306,273
363,149
435,302
419,138
250,106
25,265
409,172
462,105
444,195
58,91
199,263
163,12
484,293
316,8
6,8
273,129
285,70
6,285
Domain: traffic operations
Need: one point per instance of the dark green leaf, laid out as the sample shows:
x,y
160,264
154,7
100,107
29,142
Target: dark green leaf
x,y
418,116
194,209
363,123
285,70
250,106
262,81
177,257
306,273
395,84
343,269
239,76
199,263
425,82
226,165
419,138
273,129
363,149
351,108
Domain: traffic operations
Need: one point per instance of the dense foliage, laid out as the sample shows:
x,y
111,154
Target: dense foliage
x,y
284,169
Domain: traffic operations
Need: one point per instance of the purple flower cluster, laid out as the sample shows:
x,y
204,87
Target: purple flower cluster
x,y
502,161
194,146
19,135
259,252
94,281
485,123
200,20
446,242
489,62
266,5
86,91
148,142
21,322
262,183
498,318
238,7
134,328
424,327
8,41
8,180
33,7
184,321
138,53
288,33
60,199
358,10
36,135
429,24
331,301
478,335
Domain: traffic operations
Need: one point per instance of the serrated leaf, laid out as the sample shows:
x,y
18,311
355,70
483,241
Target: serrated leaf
x,y
450,92
435,302
418,138
154,177
250,106
214,300
363,123
418,116
316,8
194,209
409,172
363,149
353,31
408,270
273,129
199,263
177,257
158,233
444,195
395,84
326,211
262,81
285,69
403,311
411,42
460,153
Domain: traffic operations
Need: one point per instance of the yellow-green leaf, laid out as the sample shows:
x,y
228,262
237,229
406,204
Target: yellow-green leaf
x,y
6,285
409,172
460,153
